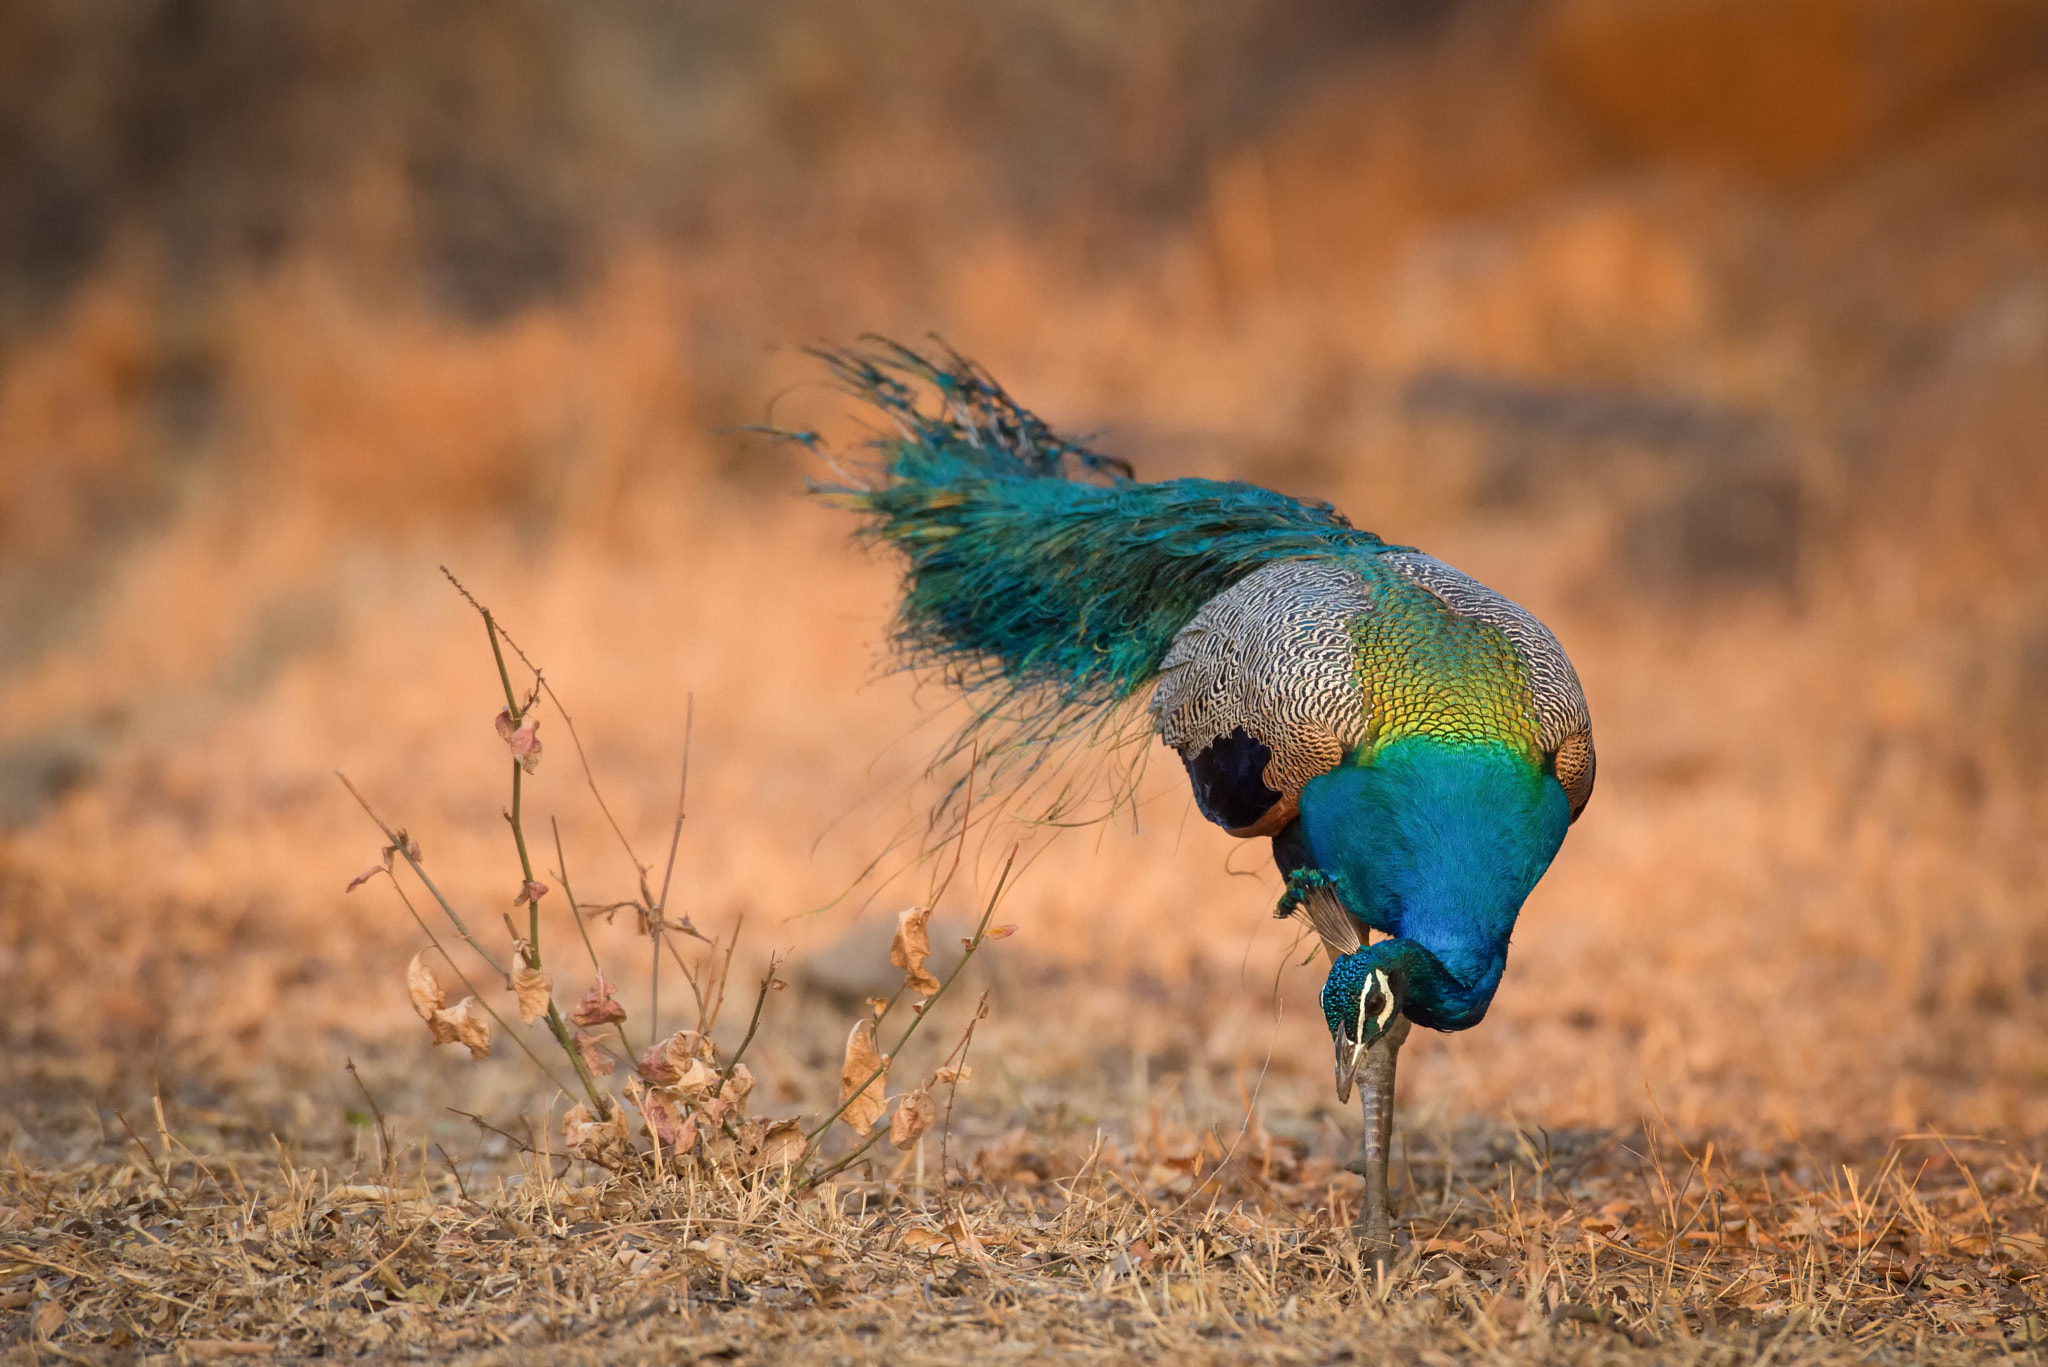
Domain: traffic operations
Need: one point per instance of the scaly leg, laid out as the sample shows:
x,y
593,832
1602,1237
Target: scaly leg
x,y
1375,1223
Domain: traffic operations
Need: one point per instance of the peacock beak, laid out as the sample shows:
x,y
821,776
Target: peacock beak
x,y
1350,1054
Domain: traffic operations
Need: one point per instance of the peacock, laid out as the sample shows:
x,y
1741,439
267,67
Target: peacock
x,y
1413,744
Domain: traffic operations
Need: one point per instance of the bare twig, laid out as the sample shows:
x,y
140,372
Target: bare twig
x,y
657,909
383,1130
562,876
568,721
768,981
398,841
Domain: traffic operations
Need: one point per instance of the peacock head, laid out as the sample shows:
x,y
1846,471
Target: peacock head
x,y
1361,1000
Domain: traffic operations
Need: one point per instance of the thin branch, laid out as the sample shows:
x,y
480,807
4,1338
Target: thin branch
x,y
717,1002
404,850
561,873
383,1130
518,714
767,982
682,796
567,720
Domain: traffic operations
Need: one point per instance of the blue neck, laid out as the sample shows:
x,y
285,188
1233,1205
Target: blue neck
x,y
1437,844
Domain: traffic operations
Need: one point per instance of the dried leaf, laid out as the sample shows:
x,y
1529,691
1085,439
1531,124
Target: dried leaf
x,y
525,743
911,947
964,1240
597,1006
466,1023
918,1239
782,1144
533,988
505,724
665,1120
1000,932
694,1079
861,1063
878,1005
951,1077
685,1045
365,876
530,892
424,989
734,1092
655,1067
678,1136
594,1057
597,1140
915,1112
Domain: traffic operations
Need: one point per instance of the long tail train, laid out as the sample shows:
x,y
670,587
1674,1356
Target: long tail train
x,y
1041,578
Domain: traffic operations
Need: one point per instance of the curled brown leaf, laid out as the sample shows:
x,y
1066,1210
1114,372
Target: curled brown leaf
x,y
676,1130
951,1077
694,1080
530,892
911,947
863,1099
466,1023
655,1067
597,1006
598,1140
594,1057
734,1092
525,743
678,1049
782,1143
424,989
365,876
915,1112
533,988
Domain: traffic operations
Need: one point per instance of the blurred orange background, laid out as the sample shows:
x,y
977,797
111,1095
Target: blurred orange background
x,y
1713,331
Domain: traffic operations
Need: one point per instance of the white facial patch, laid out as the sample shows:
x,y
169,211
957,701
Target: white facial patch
x,y
1387,994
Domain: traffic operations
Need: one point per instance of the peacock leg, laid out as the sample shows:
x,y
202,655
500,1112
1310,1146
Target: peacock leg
x,y
1375,1223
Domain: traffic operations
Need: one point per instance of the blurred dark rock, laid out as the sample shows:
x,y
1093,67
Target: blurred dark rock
x,y
494,243
855,967
40,770
1730,530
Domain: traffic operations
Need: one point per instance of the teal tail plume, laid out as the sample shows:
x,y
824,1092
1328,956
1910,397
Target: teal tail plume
x,y
1041,578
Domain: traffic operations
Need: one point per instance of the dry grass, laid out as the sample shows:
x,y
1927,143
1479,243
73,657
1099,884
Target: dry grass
x,y
1759,439
1203,1247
